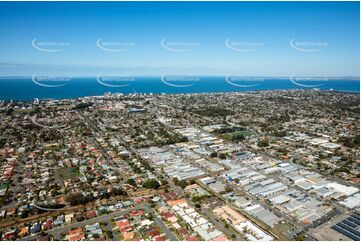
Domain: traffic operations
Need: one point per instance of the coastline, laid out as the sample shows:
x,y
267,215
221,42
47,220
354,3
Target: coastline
x,y
27,89
180,94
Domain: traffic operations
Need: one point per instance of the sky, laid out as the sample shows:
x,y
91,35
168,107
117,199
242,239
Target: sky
x,y
310,39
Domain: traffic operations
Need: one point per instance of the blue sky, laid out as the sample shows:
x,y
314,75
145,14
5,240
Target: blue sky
x,y
263,38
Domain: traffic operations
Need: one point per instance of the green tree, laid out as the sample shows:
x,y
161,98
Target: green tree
x,y
263,143
151,184
131,182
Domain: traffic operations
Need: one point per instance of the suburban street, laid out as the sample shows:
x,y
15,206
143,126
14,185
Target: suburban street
x,y
58,231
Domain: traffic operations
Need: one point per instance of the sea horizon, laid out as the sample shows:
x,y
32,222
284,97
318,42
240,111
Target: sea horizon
x,y
349,78
50,87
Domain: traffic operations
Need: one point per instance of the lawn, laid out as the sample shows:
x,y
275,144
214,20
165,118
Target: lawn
x,y
67,173
229,136
23,111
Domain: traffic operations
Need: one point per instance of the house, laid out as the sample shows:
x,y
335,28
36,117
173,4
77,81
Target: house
x,y
79,217
76,231
94,231
59,220
124,225
90,214
9,235
11,211
229,215
193,238
169,216
118,205
128,235
48,224
127,203
169,196
160,238
36,228
69,217
221,238
146,222
23,231
183,232
22,209
138,200
136,213
153,233
78,237
175,202
2,214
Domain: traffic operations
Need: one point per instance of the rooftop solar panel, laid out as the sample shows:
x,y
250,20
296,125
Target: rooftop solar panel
x,y
356,221
348,228
349,223
346,233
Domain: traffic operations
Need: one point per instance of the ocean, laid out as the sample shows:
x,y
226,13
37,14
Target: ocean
x,y
62,88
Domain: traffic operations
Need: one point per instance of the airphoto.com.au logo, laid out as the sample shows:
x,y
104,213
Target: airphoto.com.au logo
x,y
308,82
50,81
178,46
115,81
179,80
307,46
244,82
243,46
50,46
114,46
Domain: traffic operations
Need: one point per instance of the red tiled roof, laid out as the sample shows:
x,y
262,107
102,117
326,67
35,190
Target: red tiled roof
x,y
75,231
159,238
192,238
169,196
220,238
77,237
122,223
9,235
126,228
90,214
138,200
167,214
48,224
153,233
136,213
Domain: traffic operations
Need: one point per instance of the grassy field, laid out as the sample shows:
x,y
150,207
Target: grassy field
x,y
67,173
228,136
24,111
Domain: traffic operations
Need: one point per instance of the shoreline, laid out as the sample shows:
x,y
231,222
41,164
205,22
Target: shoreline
x,y
189,93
